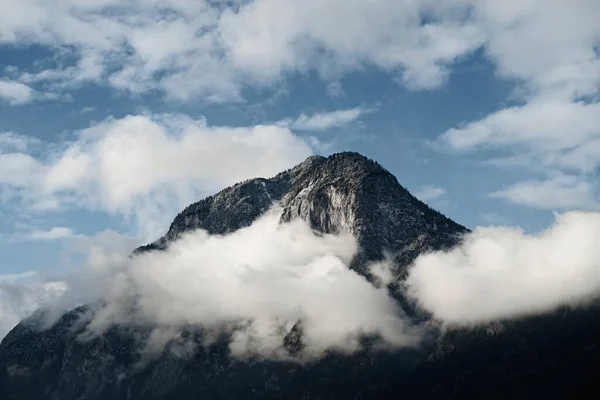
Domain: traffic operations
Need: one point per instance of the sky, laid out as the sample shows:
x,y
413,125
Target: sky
x,y
114,115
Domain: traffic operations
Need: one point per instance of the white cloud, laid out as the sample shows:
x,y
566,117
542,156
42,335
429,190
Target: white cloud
x,y
500,273
554,133
149,167
429,193
324,120
279,274
526,42
550,51
57,232
15,93
212,51
267,37
559,192
21,295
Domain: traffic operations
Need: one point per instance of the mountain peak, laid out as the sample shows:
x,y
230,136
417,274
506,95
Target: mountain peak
x,y
345,192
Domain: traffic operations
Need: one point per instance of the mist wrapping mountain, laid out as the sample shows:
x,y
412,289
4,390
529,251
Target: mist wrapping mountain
x,y
554,355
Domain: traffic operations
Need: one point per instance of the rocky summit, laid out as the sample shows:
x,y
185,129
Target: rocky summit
x,y
554,355
343,192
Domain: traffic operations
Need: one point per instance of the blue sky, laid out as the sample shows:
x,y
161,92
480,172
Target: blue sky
x,y
114,115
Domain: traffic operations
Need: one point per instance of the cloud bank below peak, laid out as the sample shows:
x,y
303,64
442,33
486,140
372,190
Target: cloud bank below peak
x,y
502,273
277,276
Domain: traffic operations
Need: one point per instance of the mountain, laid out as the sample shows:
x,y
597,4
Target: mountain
x,y
554,355
345,191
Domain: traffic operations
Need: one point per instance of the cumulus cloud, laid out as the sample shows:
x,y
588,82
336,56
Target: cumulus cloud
x,y
255,284
12,142
212,51
501,272
148,167
15,93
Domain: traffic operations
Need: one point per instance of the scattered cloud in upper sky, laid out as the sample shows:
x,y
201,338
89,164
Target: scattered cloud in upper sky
x,y
141,165
57,232
558,192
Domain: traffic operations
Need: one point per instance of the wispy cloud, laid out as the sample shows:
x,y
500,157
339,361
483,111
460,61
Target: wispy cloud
x,y
557,193
429,193
324,120
21,295
58,232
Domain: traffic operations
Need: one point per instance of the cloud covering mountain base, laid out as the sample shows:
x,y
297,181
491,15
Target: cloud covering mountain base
x,y
257,283
254,284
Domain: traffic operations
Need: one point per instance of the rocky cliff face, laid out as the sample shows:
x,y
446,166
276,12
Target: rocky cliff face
x,y
344,192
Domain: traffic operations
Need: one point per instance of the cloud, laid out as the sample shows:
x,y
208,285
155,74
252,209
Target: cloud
x,y
556,70
21,295
558,134
501,273
87,264
324,120
209,51
212,51
559,192
148,167
15,93
277,275
12,142
57,232
267,37
429,193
